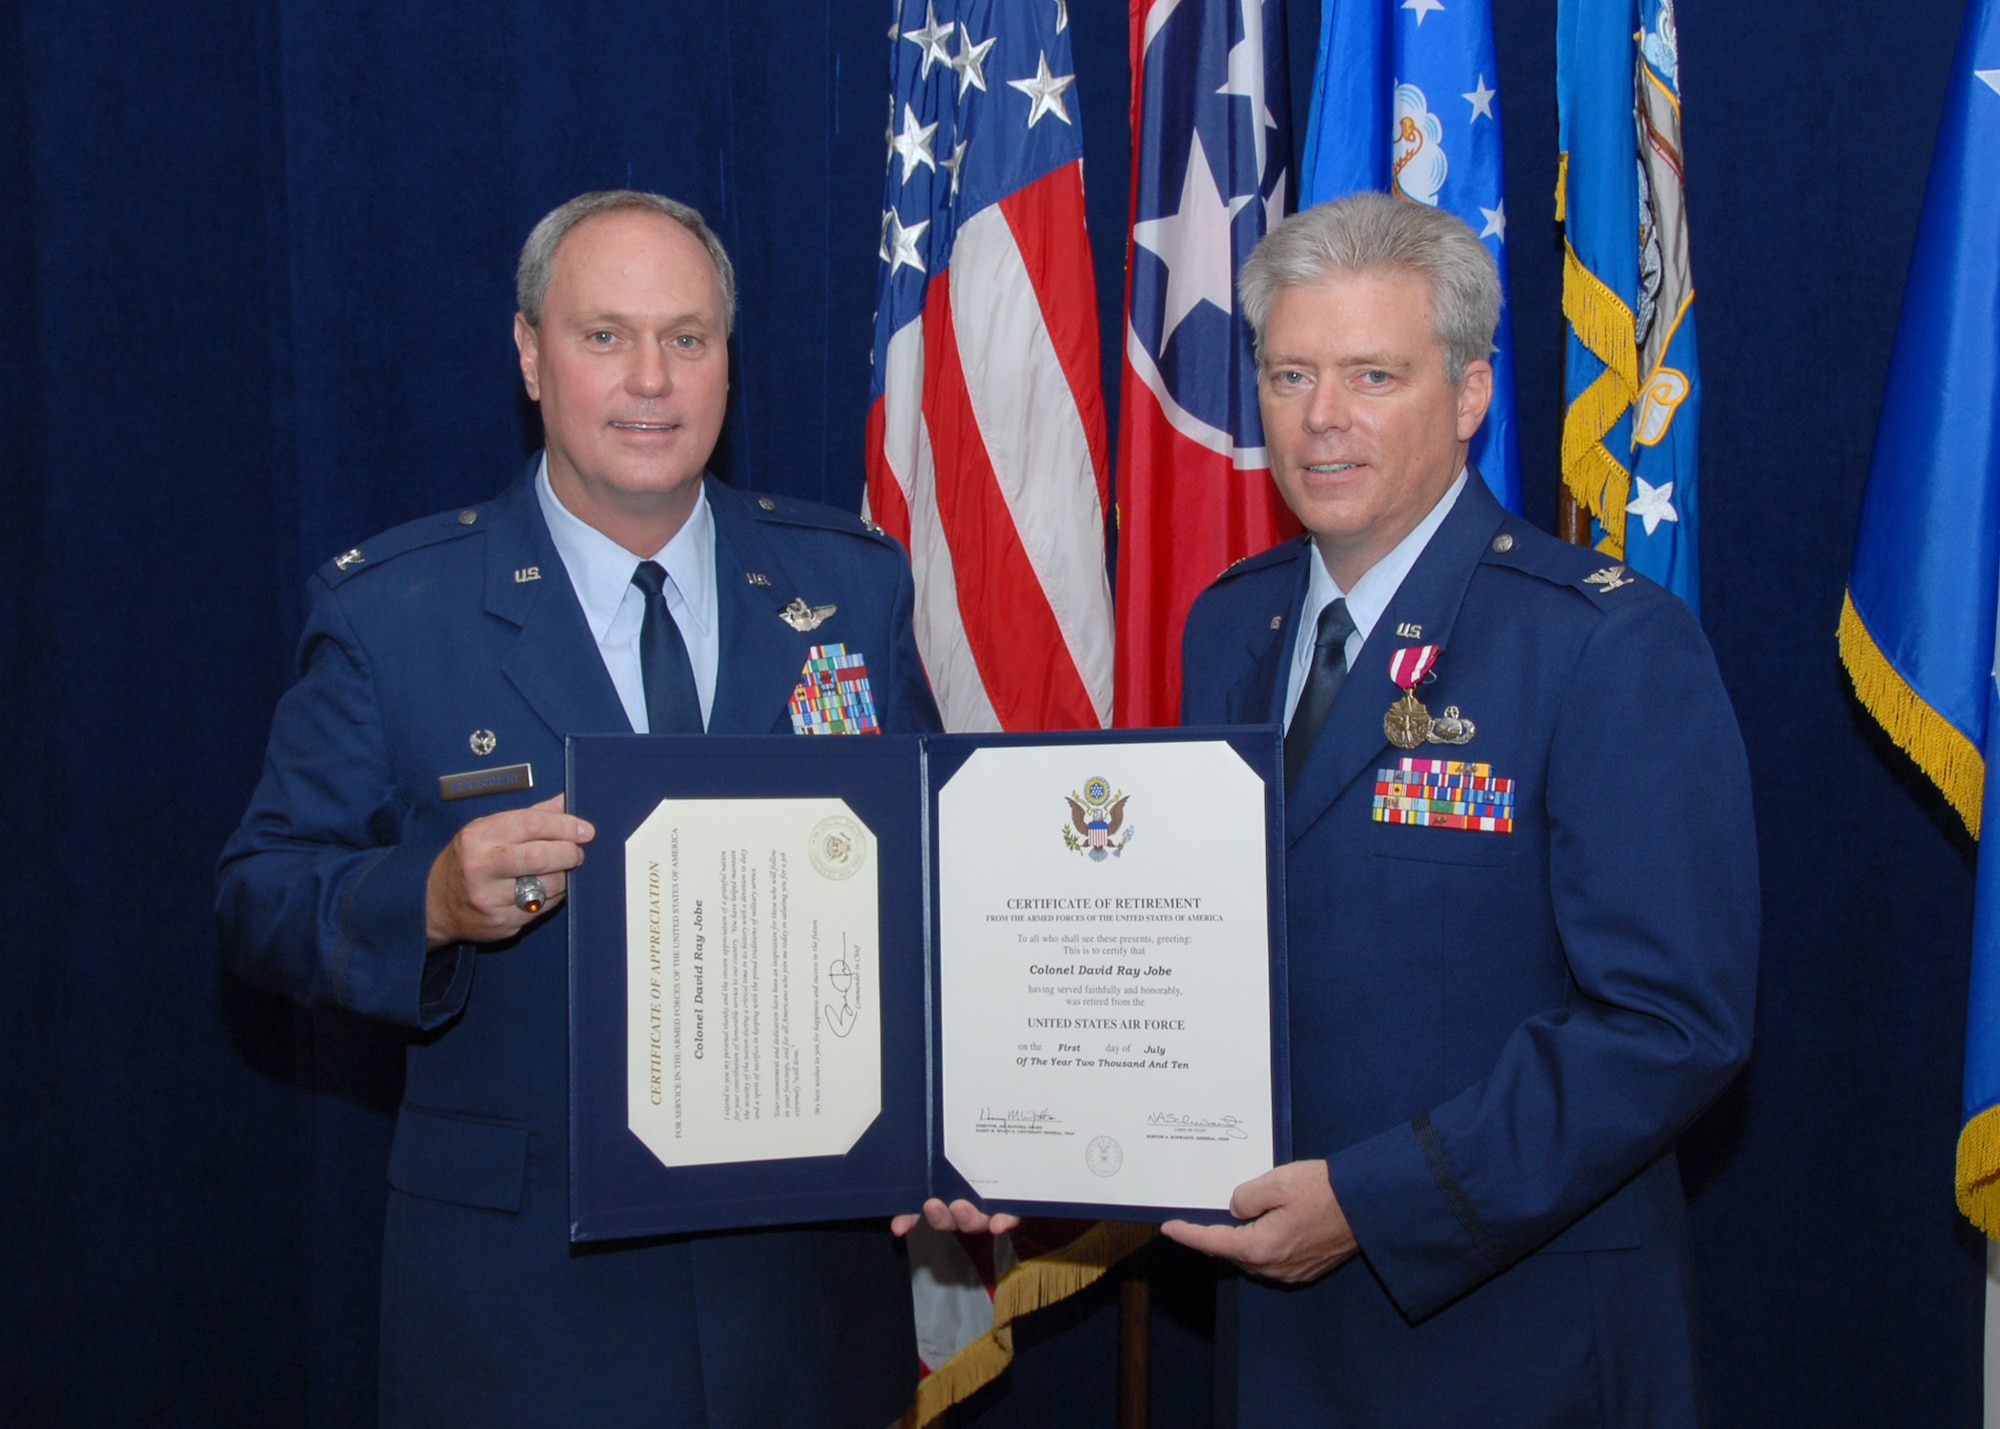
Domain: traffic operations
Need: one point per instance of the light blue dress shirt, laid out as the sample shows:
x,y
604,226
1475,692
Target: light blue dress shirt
x,y
600,571
1369,598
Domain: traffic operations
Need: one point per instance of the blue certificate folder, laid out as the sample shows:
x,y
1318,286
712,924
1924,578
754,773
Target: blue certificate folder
x,y
618,1188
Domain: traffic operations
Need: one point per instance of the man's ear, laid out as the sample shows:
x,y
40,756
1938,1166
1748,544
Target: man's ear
x,y
1475,394
528,343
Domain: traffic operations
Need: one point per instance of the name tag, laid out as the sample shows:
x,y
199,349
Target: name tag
x,y
474,782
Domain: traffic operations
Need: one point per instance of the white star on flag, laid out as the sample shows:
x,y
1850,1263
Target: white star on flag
x,y
970,61
1992,78
1194,243
950,166
899,244
1496,224
931,39
1422,8
913,145
1246,77
1654,503
1046,90
1481,98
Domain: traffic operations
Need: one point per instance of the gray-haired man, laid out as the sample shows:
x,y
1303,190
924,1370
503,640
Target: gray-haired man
x,y
1521,884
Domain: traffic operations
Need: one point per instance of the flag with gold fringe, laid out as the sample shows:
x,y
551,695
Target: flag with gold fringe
x,y
1918,627
1632,385
1076,1262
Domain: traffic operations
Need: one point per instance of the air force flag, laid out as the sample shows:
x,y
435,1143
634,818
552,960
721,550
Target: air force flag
x,y
1406,101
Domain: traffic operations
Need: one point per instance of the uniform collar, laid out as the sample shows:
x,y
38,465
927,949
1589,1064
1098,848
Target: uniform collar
x,y
601,570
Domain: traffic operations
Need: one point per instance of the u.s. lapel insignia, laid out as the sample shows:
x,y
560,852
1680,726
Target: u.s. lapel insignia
x,y
1408,723
756,578
1451,728
526,574
802,617
1611,578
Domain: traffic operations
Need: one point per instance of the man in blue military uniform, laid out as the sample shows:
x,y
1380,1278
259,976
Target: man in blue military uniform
x,y
394,861
1521,885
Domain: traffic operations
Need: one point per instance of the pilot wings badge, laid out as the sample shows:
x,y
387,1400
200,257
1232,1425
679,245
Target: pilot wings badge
x,y
1095,820
802,617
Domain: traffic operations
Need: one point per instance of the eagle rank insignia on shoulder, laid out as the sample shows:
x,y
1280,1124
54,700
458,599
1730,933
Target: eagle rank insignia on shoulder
x,y
802,617
1095,819
1610,578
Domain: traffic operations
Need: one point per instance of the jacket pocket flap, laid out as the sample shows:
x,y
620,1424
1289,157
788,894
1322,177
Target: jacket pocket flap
x,y
447,1157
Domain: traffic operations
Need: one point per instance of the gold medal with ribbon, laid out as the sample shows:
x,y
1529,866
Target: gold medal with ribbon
x,y
1408,723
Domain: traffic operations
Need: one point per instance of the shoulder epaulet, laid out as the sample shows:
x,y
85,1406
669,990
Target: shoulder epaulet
x,y
400,540
786,511
1524,548
1280,554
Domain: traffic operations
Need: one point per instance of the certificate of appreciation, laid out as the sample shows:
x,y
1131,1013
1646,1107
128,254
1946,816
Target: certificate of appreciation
x,y
1104,974
754,1031
813,979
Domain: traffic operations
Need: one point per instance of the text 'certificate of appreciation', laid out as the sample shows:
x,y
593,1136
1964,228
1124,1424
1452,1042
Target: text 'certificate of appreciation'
x,y
754,1024
1104,974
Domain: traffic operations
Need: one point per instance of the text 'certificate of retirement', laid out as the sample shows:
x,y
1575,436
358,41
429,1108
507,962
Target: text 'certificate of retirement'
x,y
754,1024
1104,974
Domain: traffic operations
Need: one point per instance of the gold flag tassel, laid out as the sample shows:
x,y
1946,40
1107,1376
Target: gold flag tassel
x,y
1606,328
1979,1171
1951,761
1028,1286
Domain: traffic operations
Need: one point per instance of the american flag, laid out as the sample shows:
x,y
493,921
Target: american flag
x,y
1210,173
986,432
986,453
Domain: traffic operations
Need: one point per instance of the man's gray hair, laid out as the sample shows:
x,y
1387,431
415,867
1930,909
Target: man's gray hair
x,y
1374,233
538,254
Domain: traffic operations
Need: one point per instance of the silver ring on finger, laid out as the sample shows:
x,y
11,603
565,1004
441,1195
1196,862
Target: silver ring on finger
x,y
529,895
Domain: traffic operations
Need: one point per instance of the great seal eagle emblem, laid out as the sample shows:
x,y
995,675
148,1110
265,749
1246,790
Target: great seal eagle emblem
x,y
1095,820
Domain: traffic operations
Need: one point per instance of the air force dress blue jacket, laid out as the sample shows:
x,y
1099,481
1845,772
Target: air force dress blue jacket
x,y
1497,1032
467,622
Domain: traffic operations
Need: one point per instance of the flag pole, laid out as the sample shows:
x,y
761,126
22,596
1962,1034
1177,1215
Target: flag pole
x,y
1135,1340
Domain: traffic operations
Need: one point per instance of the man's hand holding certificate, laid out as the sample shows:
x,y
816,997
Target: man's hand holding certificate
x,y
1007,975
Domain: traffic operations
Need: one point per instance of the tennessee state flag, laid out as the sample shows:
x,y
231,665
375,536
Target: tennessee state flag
x,y
1210,156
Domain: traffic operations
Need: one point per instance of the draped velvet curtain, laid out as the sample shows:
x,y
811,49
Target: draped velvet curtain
x,y
255,288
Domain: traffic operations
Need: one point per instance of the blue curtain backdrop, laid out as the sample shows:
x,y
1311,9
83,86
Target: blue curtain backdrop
x,y
255,301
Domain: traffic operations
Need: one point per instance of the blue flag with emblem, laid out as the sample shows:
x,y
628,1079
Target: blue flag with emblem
x,y
1405,100
1918,628
1631,383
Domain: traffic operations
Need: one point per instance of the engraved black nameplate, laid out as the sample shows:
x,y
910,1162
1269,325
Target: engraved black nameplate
x,y
474,782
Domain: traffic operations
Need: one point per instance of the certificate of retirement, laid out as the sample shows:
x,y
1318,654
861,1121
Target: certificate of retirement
x,y
1104,973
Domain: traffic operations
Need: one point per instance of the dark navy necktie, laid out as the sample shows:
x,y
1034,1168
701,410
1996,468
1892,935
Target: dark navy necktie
x,y
672,706
1329,668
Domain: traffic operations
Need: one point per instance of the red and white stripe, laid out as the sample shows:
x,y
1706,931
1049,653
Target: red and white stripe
x,y
1411,663
986,458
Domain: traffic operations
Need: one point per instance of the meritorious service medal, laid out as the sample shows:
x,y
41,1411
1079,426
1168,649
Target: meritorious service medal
x,y
1408,723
